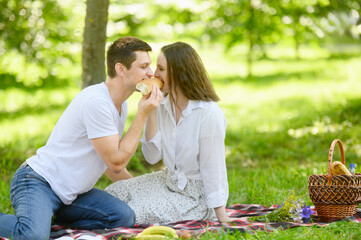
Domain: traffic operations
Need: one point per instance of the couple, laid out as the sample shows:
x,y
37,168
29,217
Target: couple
x,y
186,129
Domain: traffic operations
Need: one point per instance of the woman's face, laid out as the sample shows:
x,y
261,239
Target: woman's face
x,y
161,71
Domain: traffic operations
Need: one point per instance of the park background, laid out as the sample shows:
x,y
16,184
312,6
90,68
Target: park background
x,y
287,72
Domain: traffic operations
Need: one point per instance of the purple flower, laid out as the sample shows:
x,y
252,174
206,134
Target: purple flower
x,y
306,212
279,206
305,220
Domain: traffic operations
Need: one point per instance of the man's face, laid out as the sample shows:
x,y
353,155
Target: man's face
x,y
139,70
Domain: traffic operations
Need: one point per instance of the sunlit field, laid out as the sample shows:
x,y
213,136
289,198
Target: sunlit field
x,y
281,122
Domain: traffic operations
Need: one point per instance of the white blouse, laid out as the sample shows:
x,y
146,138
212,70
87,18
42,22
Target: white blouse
x,y
194,148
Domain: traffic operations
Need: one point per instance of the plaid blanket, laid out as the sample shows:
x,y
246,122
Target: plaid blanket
x,y
196,227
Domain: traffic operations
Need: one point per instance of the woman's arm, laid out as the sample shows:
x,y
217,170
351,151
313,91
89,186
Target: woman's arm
x,y
214,173
151,125
151,141
212,161
221,214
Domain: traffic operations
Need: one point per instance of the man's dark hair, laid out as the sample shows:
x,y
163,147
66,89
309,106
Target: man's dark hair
x,y
122,51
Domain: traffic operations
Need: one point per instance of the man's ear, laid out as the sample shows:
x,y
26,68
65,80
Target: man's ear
x,y
119,68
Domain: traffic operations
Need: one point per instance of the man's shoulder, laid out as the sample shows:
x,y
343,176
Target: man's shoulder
x,y
96,88
93,93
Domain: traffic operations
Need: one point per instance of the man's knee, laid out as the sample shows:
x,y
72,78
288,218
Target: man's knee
x,y
124,217
32,235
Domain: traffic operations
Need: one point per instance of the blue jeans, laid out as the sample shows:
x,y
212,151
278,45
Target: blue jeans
x,y
35,204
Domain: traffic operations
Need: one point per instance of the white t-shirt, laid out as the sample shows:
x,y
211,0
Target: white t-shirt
x,y
194,148
69,161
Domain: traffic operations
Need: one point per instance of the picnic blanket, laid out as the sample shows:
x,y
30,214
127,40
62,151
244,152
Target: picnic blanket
x,y
197,227
242,211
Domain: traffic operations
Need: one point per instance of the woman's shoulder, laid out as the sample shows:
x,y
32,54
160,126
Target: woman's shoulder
x,y
213,121
211,108
212,112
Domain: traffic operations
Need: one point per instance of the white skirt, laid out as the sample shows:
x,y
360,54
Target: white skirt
x,y
156,198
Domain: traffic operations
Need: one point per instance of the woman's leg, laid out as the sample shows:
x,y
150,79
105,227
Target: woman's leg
x,y
95,209
34,203
148,196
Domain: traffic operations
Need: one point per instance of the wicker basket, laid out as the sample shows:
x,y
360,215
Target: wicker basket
x,y
335,197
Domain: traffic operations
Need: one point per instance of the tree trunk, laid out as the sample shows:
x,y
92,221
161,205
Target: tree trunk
x,y
93,57
297,45
250,30
250,58
263,50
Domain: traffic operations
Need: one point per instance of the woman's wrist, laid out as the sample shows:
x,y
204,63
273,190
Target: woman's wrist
x,y
221,214
151,125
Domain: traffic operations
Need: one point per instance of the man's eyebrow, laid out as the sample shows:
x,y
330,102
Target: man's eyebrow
x,y
145,63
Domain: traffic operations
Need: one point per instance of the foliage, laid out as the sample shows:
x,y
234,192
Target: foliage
x,y
260,23
162,21
235,22
46,35
338,231
280,124
36,35
292,209
280,121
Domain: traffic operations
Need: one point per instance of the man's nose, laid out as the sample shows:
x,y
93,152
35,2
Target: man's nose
x,y
150,73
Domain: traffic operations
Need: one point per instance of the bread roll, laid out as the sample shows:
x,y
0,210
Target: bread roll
x,y
146,86
337,168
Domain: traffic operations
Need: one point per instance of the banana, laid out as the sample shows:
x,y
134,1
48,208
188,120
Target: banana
x,y
160,230
151,237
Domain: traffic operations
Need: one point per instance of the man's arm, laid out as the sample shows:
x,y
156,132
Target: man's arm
x,y
116,152
124,174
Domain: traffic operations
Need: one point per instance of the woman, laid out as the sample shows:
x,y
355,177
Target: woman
x,y
187,131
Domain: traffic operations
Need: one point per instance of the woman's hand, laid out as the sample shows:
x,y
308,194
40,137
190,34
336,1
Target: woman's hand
x,y
221,214
230,219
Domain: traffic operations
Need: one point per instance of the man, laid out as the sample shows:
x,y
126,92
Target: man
x,y
85,142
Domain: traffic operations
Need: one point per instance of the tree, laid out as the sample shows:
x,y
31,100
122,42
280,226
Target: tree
x,y
93,57
243,21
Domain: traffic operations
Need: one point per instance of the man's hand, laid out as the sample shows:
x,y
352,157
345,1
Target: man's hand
x,y
150,102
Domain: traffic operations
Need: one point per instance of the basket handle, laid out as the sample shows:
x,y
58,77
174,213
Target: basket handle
x,y
330,155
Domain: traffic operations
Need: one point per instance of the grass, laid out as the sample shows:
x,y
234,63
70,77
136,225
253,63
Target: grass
x,y
337,231
281,123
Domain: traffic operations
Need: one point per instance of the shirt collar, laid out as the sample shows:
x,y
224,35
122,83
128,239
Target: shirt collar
x,y
192,104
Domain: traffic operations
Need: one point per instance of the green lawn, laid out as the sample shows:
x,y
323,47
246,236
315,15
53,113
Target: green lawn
x,y
281,123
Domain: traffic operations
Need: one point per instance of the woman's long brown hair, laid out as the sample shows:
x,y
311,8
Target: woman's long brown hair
x,y
186,70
